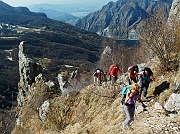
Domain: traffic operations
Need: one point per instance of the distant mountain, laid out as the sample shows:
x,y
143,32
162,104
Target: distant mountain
x,y
17,15
56,15
78,10
117,19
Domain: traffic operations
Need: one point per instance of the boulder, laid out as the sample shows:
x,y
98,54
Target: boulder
x,y
158,106
173,103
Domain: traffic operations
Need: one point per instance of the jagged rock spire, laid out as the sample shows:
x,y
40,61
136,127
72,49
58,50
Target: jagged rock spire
x,y
28,70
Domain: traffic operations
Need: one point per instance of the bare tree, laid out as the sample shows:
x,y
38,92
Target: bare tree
x,y
160,39
122,55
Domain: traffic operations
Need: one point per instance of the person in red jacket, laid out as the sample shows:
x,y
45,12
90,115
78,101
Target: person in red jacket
x,y
114,73
110,69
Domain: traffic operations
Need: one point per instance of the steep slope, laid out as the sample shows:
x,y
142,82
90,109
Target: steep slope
x,y
116,19
94,109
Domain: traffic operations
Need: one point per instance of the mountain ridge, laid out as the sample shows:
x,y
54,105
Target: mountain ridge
x,y
22,10
116,18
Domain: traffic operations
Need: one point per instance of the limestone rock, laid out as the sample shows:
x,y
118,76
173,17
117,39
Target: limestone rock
x,y
39,78
43,110
62,79
175,9
28,70
173,103
157,106
65,80
177,89
53,87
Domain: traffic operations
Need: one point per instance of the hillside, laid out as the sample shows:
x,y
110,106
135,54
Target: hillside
x,y
117,19
10,14
95,109
52,43
51,65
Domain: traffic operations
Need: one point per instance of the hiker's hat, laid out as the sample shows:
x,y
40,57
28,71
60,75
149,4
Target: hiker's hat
x,y
98,71
130,67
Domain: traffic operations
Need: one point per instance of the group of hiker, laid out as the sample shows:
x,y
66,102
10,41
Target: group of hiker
x,y
138,82
101,76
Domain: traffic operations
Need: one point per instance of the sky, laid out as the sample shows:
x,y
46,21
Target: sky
x,y
16,3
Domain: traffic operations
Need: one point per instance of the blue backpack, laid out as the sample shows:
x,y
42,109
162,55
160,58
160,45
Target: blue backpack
x,y
124,92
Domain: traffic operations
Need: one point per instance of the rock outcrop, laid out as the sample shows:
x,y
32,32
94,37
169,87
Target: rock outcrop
x,y
43,110
28,70
30,77
175,9
117,19
65,79
173,103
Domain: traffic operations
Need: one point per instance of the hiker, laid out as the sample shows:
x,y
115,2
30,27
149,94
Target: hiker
x,y
98,76
114,74
146,76
133,74
110,69
129,107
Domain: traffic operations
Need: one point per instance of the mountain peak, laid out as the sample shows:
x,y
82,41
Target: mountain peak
x,y
120,17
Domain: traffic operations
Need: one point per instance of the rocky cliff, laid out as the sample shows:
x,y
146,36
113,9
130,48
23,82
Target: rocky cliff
x,y
117,19
93,109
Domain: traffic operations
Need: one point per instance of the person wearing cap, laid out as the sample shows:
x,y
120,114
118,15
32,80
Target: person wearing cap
x,y
129,107
98,76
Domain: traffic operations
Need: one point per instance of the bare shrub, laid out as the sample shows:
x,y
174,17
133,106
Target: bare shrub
x,y
161,39
123,56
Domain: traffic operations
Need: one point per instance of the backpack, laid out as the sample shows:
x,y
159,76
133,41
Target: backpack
x,y
124,92
111,67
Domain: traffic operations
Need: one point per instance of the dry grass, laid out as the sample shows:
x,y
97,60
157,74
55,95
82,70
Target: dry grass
x,y
93,110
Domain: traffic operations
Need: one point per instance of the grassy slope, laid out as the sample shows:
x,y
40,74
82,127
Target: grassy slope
x,y
97,110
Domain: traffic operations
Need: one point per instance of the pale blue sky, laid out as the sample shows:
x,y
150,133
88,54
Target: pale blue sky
x,y
30,2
